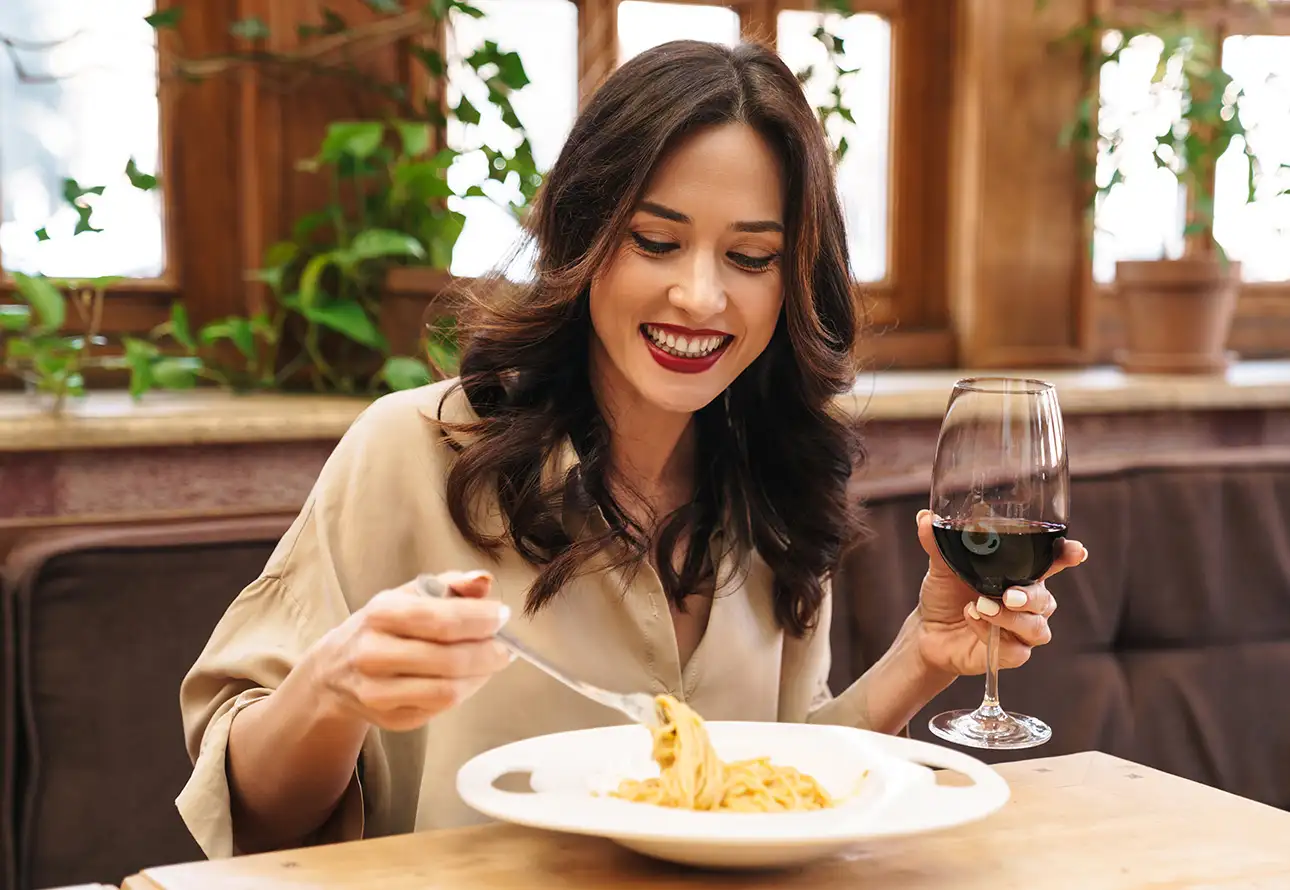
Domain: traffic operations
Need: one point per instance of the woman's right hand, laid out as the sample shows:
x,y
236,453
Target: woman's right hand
x,y
405,657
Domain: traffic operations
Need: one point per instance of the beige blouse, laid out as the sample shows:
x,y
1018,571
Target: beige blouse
x,y
376,518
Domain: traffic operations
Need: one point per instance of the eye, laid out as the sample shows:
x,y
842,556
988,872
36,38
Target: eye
x,y
753,263
650,246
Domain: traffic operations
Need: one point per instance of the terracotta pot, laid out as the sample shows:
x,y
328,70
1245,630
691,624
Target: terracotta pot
x,y
1177,314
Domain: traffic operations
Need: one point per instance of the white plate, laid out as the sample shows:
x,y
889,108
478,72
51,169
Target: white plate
x,y
879,782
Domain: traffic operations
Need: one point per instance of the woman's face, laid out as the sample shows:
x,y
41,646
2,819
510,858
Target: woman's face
x,y
693,293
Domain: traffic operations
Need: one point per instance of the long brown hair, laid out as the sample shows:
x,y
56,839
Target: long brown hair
x,y
773,461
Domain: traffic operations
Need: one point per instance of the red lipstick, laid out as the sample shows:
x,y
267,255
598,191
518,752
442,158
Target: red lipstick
x,y
685,364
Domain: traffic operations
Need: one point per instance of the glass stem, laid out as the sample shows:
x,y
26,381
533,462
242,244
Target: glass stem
x,y
990,704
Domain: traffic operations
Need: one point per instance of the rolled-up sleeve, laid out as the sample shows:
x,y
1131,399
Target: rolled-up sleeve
x,y
256,644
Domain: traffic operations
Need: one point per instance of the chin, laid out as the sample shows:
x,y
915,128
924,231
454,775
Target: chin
x,y
679,396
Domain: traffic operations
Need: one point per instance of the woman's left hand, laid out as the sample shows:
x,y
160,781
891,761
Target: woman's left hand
x,y
956,621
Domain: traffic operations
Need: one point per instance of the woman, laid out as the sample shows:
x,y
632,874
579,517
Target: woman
x,y
639,468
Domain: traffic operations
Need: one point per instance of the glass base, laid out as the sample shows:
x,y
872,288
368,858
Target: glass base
x,y
990,728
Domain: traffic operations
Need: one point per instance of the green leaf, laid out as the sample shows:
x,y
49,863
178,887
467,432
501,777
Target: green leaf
x,y
138,355
45,300
511,71
165,18
431,59
180,328
415,136
405,372
238,330
385,7
466,9
83,223
250,28
42,234
349,318
177,373
373,243
309,277
357,139
140,180
15,318
421,181
309,223
465,112
73,191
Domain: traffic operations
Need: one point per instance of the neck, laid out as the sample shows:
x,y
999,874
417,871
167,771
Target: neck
x,y
651,449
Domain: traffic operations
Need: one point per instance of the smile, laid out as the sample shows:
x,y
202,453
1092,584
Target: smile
x,y
694,346
683,351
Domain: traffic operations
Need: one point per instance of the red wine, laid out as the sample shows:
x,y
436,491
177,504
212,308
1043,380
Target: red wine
x,y
992,555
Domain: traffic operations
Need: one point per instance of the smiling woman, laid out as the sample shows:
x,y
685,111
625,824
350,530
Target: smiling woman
x,y
641,461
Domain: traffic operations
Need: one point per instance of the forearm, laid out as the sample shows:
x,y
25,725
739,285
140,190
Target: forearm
x,y
289,763
892,691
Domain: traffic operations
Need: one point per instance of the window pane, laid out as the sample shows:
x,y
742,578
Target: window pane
x,y
87,105
1143,217
643,25
1258,234
545,34
863,173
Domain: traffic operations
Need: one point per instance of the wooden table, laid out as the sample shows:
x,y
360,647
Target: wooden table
x,y
1079,822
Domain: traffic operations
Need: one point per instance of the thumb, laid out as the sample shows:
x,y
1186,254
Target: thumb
x,y
476,585
927,537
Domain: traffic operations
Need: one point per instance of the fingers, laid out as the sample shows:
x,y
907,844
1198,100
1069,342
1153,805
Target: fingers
x,y
1027,627
390,656
1069,555
476,585
1012,651
1034,598
406,614
416,698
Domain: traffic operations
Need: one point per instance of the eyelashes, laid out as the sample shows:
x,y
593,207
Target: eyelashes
x,y
742,260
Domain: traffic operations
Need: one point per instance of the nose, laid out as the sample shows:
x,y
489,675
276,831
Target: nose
x,y
699,293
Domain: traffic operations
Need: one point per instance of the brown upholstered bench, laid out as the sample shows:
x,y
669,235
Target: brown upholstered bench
x,y
1172,644
106,624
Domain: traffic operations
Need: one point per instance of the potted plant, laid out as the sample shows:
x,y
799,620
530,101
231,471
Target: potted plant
x,y
1178,310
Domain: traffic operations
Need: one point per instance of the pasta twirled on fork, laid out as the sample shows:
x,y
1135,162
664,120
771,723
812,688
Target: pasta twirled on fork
x,y
693,777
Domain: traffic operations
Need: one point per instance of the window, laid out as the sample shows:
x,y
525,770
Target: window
x,y
78,99
1144,216
545,34
1258,233
863,174
642,25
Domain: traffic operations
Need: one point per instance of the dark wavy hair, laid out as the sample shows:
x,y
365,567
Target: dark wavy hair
x,y
773,459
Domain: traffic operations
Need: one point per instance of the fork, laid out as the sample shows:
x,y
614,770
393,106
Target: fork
x,y
639,706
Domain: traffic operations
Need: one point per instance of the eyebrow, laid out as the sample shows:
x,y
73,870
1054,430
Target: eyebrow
x,y
761,225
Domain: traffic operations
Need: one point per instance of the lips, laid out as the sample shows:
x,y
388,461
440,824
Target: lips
x,y
683,350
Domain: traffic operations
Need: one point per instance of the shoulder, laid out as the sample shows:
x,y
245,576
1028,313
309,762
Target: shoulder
x,y
396,446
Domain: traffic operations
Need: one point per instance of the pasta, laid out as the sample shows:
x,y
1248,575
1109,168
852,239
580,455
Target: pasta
x,y
692,777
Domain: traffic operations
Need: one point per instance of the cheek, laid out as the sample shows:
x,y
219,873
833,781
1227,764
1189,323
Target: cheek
x,y
761,304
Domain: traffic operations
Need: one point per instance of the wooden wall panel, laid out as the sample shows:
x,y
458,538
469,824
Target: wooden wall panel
x,y
1018,288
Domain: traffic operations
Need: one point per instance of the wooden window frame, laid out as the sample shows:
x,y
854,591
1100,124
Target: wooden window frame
x,y
199,156
1261,326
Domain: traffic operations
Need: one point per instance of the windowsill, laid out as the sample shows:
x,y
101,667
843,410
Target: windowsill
x,y
208,417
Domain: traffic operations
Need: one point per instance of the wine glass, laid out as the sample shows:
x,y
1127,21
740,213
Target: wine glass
x,y
1000,488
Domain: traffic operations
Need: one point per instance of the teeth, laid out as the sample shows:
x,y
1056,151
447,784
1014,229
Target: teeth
x,y
685,347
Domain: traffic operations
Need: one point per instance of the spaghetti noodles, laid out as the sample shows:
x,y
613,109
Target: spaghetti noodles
x,y
692,777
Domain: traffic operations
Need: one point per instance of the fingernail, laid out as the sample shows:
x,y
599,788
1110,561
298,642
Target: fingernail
x,y
514,656
503,615
1084,557
972,612
1015,599
987,606
477,575
921,513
